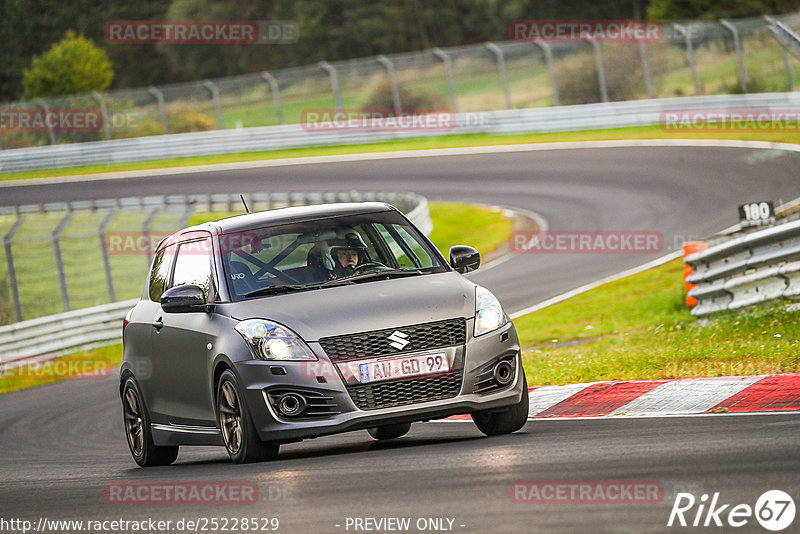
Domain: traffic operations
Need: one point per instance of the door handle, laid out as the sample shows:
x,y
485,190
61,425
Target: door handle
x,y
157,324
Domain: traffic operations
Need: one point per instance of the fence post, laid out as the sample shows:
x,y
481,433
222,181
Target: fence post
x,y
276,94
146,231
383,60
62,277
112,296
50,134
687,34
331,70
738,44
648,80
601,71
501,67
12,273
551,69
104,112
448,69
187,214
162,110
786,66
214,90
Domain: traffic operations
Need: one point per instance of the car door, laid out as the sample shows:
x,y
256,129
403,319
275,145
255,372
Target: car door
x,y
183,343
140,334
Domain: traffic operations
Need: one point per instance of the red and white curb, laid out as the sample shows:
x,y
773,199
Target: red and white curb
x,y
687,396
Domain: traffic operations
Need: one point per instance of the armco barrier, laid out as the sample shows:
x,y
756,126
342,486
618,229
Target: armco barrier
x,y
57,334
46,337
746,270
532,120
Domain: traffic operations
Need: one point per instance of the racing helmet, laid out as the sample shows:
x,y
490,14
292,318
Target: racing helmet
x,y
346,239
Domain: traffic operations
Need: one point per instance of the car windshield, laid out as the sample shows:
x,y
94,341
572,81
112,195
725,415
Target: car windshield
x,y
324,252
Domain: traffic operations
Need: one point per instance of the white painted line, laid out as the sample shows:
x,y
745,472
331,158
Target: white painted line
x,y
633,416
634,270
547,396
687,396
584,288
400,154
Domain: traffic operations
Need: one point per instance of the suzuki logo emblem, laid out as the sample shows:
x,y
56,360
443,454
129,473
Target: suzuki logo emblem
x,y
398,340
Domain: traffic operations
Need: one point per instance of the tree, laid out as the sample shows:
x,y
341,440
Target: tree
x,y
73,65
709,9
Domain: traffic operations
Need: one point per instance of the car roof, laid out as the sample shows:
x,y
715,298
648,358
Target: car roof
x,y
289,215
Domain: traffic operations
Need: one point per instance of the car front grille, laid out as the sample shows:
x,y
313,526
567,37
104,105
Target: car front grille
x,y
401,392
377,343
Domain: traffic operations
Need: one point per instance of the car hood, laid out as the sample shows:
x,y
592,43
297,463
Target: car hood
x,y
365,306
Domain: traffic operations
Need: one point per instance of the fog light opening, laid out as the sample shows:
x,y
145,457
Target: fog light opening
x,y
503,373
291,404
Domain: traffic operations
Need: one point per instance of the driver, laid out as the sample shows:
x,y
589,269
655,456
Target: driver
x,y
345,254
347,257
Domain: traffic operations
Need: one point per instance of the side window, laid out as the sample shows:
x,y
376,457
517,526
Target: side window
x,y
414,245
159,276
407,251
193,265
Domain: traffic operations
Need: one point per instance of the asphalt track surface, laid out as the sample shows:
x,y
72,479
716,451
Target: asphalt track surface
x,y
61,444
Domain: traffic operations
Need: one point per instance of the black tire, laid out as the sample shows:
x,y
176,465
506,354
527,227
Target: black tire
x,y
237,428
389,431
137,429
507,420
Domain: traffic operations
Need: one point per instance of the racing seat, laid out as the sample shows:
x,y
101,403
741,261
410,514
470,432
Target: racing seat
x,y
242,278
316,266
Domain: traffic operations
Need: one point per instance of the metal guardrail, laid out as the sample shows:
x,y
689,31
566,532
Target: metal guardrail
x,y
786,36
750,269
532,120
47,337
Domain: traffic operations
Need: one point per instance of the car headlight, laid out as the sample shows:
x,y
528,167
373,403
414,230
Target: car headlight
x,y
273,341
489,315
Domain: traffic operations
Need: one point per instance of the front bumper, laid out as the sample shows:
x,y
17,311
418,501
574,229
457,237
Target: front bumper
x,y
321,379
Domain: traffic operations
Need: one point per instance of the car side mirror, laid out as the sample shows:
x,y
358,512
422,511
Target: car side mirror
x,y
464,259
183,299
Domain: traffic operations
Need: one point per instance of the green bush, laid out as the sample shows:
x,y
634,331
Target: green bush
x,y
71,66
6,308
578,81
379,97
184,119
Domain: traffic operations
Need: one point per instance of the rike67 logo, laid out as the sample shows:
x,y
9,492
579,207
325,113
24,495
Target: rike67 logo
x,y
774,510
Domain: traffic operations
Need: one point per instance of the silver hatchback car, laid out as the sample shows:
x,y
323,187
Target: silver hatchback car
x,y
278,326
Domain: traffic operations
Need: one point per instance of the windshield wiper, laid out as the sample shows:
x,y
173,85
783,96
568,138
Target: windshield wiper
x,y
288,288
389,273
273,290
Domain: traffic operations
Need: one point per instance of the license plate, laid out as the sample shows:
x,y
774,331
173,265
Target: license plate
x,y
378,369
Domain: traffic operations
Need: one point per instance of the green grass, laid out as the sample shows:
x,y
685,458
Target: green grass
x,y
451,141
639,328
483,228
93,364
